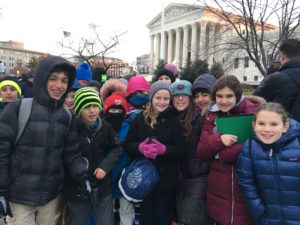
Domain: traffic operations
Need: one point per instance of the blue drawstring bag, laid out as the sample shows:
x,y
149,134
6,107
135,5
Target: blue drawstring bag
x,y
138,180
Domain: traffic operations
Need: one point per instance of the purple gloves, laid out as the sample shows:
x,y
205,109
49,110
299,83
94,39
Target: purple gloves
x,y
152,149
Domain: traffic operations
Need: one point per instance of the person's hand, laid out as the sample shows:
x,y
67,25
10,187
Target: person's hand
x,y
84,188
144,146
150,153
154,149
5,210
99,173
159,147
229,139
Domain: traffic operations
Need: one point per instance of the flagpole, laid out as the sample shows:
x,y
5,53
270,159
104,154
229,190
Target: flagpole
x,y
162,32
62,42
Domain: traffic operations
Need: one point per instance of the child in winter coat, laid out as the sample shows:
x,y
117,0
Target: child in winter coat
x,y
32,171
268,167
10,90
156,134
191,196
225,204
100,146
136,95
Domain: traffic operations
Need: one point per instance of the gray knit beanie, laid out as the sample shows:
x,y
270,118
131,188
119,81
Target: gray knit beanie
x,y
158,85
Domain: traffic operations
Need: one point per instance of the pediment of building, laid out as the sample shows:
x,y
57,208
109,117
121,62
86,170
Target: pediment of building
x,y
173,11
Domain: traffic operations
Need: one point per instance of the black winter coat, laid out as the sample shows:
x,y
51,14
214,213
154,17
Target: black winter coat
x,y
32,171
279,87
102,149
194,171
168,131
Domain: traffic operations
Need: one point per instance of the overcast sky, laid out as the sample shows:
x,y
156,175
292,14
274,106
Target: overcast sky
x,y
39,23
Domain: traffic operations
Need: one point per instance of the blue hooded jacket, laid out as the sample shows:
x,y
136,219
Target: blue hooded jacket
x,y
269,178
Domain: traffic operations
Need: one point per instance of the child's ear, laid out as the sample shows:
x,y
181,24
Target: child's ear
x,y
286,127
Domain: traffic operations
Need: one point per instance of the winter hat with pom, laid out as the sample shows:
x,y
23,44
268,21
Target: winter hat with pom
x,y
85,97
116,99
83,72
174,68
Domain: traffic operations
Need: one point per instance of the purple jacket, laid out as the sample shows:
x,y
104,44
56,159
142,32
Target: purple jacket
x,y
225,204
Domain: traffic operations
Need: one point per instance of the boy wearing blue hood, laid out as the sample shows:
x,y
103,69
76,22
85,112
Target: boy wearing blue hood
x,y
32,169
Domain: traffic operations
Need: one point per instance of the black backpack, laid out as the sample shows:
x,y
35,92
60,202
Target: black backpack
x,y
295,110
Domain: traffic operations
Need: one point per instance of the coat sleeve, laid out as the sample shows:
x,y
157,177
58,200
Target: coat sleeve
x,y
131,144
178,149
230,154
210,143
8,133
114,150
247,184
72,155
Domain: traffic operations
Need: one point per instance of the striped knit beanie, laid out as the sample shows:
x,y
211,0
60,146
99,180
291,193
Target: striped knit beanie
x,y
85,97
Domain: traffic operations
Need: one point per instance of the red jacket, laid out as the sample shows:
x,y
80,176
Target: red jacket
x,y
224,201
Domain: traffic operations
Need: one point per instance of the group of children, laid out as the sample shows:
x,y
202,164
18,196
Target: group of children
x,y
205,177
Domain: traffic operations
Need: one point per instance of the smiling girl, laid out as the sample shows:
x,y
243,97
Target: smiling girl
x,y
191,196
224,203
268,168
156,134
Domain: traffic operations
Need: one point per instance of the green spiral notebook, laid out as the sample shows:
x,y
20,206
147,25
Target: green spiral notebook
x,y
240,126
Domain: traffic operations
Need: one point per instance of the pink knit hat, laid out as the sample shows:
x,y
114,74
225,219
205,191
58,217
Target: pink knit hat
x,y
174,68
137,83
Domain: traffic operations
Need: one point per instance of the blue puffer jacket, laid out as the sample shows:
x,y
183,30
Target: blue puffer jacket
x,y
269,178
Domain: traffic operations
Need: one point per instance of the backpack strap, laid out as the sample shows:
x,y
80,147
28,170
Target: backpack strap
x,y
24,113
288,72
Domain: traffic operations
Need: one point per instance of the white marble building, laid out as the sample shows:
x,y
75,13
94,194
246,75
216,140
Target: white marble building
x,y
189,33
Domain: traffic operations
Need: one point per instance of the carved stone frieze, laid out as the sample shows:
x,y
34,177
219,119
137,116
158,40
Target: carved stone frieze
x,y
173,11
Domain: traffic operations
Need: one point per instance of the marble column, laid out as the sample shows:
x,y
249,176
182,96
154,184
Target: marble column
x,y
157,48
194,44
170,46
202,40
185,45
166,47
177,48
210,45
152,50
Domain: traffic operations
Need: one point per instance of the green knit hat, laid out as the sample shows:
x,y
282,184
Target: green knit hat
x,y
85,97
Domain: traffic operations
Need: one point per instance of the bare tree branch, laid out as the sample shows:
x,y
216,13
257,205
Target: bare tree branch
x,y
94,47
251,23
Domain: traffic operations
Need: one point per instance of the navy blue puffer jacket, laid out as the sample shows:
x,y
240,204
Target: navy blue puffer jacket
x,y
269,178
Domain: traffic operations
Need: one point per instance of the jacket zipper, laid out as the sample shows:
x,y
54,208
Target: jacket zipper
x,y
46,157
232,194
277,180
